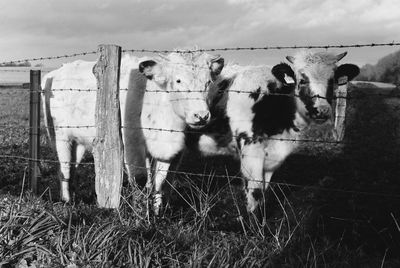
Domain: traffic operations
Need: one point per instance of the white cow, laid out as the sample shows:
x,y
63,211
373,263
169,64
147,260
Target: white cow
x,y
172,98
267,109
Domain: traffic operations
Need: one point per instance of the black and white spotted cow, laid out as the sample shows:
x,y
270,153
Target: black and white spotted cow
x,y
258,111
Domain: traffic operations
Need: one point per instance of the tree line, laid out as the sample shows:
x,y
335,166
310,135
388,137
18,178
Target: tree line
x,y
387,70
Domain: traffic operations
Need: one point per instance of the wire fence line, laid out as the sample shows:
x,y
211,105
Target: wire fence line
x,y
266,48
359,96
188,131
230,177
49,57
387,44
22,71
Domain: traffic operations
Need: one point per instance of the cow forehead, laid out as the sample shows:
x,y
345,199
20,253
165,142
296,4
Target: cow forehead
x,y
319,72
188,71
318,66
304,58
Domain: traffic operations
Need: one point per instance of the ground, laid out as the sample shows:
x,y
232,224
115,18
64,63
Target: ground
x,y
333,205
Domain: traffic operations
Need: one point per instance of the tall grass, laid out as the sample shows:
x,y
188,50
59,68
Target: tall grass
x,y
204,222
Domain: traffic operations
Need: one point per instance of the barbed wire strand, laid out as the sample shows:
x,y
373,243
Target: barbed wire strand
x,y
22,71
217,176
360,95
211,50
204,133
263,48
49,58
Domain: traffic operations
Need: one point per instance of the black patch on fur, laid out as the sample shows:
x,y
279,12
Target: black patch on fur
x,y
274,114
256,94
330,89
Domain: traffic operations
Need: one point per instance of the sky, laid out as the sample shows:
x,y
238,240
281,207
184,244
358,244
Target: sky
x,y
43,28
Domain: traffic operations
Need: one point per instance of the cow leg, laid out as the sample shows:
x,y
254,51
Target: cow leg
x,y
149,168
252,165
78,150
79,153
64,152
161,172
267,178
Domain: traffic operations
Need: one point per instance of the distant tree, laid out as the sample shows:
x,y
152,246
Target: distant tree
x,y
386,70
367,73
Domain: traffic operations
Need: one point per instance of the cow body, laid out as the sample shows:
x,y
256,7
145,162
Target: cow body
x,y
267,112
167,93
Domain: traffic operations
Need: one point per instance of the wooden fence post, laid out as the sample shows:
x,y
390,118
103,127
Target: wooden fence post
x,y
108,147
34,128
340,109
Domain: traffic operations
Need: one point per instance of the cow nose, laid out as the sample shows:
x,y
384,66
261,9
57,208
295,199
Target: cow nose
x,y
321,113
202,116
324,111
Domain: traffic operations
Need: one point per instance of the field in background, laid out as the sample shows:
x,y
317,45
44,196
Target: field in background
x,y
321,223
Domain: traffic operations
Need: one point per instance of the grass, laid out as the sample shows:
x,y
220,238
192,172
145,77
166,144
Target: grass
x,y
204,223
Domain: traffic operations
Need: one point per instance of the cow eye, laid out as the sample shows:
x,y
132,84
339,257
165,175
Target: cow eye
x,y
178,81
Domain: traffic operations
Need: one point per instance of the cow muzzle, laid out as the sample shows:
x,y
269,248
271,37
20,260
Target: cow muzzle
x,y
199,119
320,114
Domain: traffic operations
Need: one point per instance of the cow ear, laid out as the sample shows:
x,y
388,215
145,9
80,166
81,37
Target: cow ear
x,y
216,64
290,59
349,70
341,56
147,67
284,73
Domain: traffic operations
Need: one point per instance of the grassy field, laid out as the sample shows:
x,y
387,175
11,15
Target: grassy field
x,y
317,217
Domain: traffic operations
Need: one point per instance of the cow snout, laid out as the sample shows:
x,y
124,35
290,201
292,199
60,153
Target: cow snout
x,y
321,113
200,119
202,115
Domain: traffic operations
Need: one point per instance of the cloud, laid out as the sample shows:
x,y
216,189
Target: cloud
x,y
42,27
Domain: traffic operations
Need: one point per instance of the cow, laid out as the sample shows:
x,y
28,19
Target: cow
x,y
258,114
165,92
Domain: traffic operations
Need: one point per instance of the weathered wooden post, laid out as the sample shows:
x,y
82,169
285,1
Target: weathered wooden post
x,y
340,108
34,128
108,148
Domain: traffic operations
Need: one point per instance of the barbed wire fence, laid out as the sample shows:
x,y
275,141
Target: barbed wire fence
x,y
37,90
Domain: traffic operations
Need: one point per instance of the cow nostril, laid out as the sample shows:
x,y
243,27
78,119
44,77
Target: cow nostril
x,y
202,116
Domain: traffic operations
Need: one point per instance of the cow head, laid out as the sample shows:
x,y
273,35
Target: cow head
x,y
185,77
317,75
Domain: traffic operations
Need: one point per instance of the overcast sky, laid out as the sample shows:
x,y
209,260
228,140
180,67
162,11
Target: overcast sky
x,y
35,28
